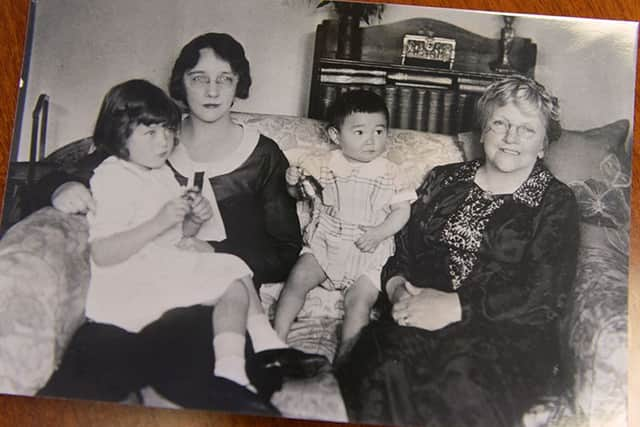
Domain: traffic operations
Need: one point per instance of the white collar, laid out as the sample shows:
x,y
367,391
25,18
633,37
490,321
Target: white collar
x,y
134,168
342,167
213,229
186,166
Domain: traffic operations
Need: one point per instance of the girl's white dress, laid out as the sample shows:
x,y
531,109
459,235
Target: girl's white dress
x,y
354,195
160,276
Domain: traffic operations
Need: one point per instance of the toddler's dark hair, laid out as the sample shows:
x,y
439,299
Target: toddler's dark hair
x,y
355,101
128,105
225,47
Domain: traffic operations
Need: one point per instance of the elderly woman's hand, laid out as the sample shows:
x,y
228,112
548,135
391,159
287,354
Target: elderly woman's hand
x,y
73,197
427,308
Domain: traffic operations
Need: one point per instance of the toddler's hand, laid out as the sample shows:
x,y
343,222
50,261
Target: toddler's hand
x,y
369,240
293,175
173,212
201,210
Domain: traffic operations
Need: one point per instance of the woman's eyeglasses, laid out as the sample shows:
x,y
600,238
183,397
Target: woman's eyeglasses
x,y
502,127
222,81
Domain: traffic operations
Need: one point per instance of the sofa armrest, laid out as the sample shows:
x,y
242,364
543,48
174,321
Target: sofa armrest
x,y
44,276
596,330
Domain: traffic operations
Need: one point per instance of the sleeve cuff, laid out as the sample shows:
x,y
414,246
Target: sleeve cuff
x,y
465,298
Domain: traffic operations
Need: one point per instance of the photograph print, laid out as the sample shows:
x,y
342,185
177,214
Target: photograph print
x,y
325,210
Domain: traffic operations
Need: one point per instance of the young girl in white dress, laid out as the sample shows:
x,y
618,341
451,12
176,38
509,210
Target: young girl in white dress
x,y
362,204
145,257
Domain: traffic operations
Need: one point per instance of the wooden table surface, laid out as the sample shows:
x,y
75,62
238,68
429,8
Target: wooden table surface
x,y
25,411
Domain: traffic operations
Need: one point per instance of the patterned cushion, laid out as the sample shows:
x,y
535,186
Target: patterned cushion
x,y
597,321
44,261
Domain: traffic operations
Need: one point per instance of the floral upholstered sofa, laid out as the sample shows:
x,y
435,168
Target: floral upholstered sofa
x,y
44,274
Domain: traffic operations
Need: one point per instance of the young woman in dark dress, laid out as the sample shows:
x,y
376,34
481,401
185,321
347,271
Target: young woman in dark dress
x,y
478,281
242,176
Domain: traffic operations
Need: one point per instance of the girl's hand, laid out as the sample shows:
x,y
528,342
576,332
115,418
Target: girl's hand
x,y
194,245
293,174
369,240
201,210
73,197
427,308
173,212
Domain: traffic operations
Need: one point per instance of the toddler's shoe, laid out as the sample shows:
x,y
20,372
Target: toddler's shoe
x,y
291,362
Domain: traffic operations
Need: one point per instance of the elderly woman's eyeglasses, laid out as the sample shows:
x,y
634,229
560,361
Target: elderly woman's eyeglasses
x,y
502,127
222,81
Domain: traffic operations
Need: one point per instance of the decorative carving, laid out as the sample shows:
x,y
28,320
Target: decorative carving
x,y
508,36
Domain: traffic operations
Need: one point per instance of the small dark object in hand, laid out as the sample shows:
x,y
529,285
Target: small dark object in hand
x,y
309,187
191,194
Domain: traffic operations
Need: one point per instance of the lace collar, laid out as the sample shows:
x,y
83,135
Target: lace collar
x,y
531,191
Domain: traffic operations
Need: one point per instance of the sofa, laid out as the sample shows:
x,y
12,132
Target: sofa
x,y
44,274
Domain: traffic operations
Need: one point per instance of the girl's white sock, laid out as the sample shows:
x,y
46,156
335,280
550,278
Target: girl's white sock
x,y
228,348
263,336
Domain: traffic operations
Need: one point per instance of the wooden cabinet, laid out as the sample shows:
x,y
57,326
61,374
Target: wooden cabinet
x,y
418,97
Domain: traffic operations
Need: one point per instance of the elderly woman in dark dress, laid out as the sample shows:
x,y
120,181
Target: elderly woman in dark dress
x,y
478,281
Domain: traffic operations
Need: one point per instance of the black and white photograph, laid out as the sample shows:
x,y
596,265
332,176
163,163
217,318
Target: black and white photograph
x,y
189,223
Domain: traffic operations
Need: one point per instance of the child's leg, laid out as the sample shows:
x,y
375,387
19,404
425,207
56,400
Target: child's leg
x,y
305,275
263,337
358,301
229,326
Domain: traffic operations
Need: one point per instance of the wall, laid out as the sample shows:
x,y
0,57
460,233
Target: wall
x,y
83,47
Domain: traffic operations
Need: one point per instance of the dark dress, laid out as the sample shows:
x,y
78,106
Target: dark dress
x,y
174,354
511,259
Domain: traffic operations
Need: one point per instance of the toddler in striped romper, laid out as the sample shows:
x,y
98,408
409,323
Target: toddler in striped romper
x,y
363,201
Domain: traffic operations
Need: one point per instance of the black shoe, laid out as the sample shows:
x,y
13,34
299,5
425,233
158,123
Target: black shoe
x,y
226,395
292,363
267,380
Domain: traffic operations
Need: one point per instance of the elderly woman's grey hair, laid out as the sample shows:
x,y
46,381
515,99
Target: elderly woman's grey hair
x,y
526,94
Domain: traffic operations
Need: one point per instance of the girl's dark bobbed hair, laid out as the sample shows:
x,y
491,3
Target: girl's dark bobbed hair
x,y
225,47
128,105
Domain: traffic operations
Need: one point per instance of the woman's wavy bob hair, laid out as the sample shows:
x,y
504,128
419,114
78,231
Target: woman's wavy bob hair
x,y
226,48
526,94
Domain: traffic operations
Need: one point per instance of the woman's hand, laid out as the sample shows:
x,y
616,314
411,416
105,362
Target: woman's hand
x,y
396,289
173,212
427,308
201,210
72,198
